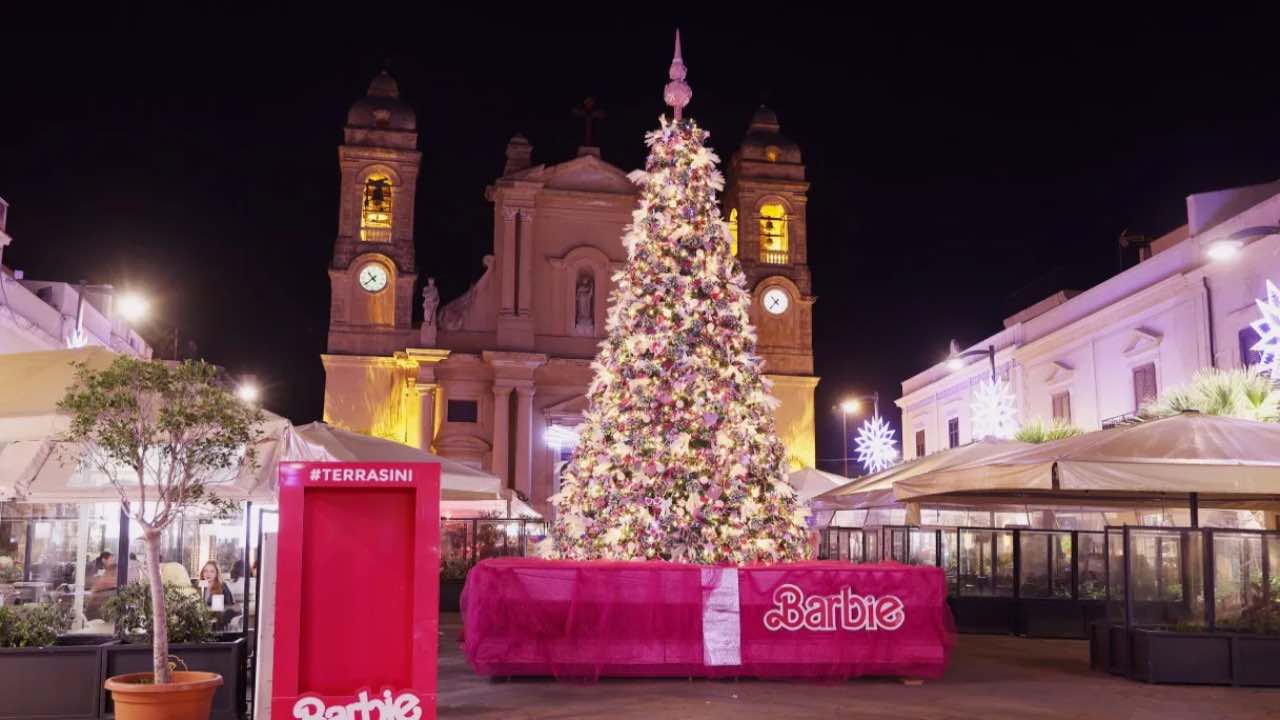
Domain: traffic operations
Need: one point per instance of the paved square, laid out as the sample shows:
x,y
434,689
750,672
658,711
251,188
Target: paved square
x,y
990,677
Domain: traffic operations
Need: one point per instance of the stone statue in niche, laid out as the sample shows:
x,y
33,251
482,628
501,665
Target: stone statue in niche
x,y
430,301
584,308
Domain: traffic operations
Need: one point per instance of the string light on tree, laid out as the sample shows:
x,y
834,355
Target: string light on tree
x,y
877,450
1268,329
993,410
678,458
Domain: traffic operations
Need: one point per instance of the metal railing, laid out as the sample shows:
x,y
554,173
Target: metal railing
x,y
984,561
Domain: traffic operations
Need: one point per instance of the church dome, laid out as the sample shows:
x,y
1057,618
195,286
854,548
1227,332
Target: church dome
x,y
382,107
765,141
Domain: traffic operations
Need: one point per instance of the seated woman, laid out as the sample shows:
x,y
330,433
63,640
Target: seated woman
x,y
216,593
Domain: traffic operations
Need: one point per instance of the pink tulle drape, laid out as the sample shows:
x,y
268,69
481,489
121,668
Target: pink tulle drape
x,y
586,620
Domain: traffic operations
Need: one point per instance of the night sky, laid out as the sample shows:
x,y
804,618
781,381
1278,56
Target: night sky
x,y
961,168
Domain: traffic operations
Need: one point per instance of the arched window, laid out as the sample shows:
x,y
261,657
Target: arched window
x,y
733,231
375,209
773,234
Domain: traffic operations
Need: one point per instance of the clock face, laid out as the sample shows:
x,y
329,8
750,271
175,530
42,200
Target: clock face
x,y
776,301
373,277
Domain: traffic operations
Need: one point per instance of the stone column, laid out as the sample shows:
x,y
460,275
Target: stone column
x,y
426,416
524,440
507,260
501,431
525,282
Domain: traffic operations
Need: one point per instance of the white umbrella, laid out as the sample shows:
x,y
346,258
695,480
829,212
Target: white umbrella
x,y
809,482
32,386
319,442
877,490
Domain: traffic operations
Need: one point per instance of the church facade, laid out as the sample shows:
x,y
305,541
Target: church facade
x,y
496,378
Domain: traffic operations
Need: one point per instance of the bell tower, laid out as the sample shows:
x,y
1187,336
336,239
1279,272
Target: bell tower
x,y
372,275
765,203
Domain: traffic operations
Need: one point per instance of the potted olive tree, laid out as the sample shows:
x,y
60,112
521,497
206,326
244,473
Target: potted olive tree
x,y
160,433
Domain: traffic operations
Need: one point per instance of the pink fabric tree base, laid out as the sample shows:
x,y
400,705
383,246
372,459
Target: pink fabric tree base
x,y
811,620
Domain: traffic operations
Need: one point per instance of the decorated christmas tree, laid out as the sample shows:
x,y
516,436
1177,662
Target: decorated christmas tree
x,y
677,457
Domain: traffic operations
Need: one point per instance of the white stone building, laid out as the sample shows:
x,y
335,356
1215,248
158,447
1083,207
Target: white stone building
x,y
1093,357
40,315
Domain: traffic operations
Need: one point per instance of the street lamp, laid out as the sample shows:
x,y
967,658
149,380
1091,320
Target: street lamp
x,y
248,392
1226,248
955,359
133,307
851,406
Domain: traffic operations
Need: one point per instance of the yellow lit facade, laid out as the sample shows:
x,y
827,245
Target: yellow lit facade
x,y
773,234
375,210
733,231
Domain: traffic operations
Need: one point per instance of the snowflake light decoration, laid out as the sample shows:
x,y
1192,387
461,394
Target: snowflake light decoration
x,y
1268,329
876,446
993,410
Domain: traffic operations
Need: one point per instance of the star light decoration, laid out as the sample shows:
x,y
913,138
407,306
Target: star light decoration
x,y
877,450
1268,329
993,410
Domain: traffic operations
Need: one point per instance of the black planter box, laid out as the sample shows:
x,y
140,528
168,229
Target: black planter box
x,y
62,682
1156,655
1160,656
1109,647
991,615
451,594
1256,660
228,659
1057,618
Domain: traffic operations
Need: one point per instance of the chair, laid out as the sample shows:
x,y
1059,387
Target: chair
x,y
176,575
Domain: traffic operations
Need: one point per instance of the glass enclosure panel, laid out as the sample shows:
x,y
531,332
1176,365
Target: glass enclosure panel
x,y
1060,566
842,544
65,554
1239,602
1035,561
1273,567
455,541
534,533
986,563
871,543
949,558
1046,565
924,547
1166,577
851,545
497,538
1115,574
1004,564
898,548
1093,566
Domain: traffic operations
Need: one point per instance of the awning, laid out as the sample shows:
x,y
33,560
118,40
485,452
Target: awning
x,y
1227,461
877,490
809,482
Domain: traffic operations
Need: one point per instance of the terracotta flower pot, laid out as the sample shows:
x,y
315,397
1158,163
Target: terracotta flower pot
x,y
188,697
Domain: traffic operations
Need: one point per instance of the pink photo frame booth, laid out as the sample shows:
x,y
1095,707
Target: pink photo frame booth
x,y
357,591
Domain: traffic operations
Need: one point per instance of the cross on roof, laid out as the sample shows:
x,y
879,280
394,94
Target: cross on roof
x,y
588,112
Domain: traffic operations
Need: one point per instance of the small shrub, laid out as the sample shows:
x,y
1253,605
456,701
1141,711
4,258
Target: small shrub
x,y
32,625
189,619
455,569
